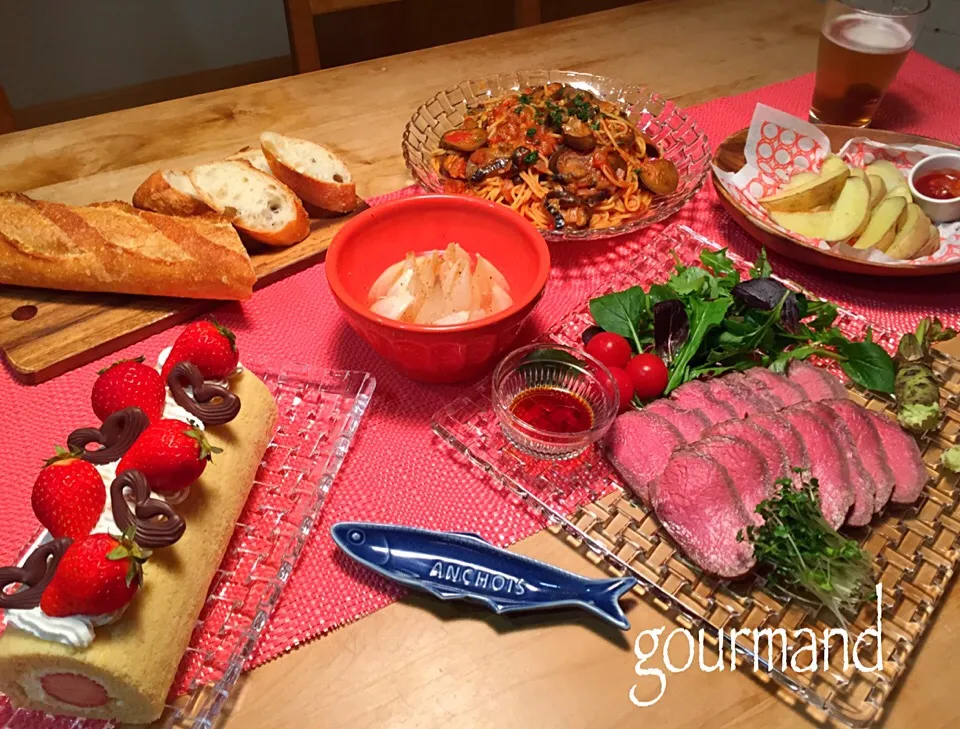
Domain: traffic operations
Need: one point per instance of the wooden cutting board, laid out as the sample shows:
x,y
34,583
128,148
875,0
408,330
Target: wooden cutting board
x,y
44,333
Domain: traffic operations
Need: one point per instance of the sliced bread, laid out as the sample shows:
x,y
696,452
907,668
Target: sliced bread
x,y
312,171
256,203
169,192
255,156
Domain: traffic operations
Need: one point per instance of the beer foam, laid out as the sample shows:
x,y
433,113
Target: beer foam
x,y
868,34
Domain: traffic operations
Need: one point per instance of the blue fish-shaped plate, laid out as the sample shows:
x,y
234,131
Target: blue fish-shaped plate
x,y
455,566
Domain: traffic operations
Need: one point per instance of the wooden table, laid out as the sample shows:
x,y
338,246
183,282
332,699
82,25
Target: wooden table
x,y
422,663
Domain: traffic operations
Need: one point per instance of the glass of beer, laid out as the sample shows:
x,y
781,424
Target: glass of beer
x,y
863,43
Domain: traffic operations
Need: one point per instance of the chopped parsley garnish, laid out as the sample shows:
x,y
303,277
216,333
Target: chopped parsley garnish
x,y
595,126
531,157
524,99
531,132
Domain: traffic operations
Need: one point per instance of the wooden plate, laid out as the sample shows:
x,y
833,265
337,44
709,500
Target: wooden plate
x,y
729,158
44,333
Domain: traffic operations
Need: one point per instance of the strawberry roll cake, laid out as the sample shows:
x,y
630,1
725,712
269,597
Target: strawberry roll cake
x,y
138,513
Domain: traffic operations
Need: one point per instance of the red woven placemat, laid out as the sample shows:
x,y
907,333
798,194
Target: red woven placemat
x,y
397,470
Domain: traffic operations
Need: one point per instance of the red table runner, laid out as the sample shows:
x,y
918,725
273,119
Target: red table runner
x,y
398,471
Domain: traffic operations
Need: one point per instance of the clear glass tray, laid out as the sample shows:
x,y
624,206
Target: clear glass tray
x,y
319,413
584,501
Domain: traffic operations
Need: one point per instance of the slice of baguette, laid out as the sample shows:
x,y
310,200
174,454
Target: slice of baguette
x,y
256,203
255,156
116,248
312,171
169,192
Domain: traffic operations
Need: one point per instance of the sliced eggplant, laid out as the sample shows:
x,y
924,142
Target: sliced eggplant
x,y
555,91
552,207
625,138
463,140
487,162
651,151
659,176
578,135
570,164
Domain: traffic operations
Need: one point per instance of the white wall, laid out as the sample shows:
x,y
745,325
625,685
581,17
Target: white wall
x,y
55,49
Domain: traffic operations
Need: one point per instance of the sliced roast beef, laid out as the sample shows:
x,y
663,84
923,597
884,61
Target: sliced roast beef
x,y
864,490
690,423
746,467
787,436
827,464
760,390
696,395
639,445
742,400
765,442
696,502
789,392
866,440
816,381
903,457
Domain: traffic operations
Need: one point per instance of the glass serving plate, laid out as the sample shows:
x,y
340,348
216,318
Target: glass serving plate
x,y
678,136
584,500
319,413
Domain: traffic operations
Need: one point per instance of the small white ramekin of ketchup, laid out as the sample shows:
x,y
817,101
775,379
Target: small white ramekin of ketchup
x,y
935,184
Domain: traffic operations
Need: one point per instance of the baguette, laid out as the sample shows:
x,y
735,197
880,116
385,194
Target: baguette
x,y
169,192
256,203
134,660
255,156
113,247
312,171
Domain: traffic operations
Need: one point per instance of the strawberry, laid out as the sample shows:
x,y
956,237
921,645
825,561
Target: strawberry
x,y
98,574
170,453
68,495
208,345
128,383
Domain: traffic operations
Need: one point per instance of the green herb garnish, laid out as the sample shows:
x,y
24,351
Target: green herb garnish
x,y
524,99
531,157
733,324
805,557
531,132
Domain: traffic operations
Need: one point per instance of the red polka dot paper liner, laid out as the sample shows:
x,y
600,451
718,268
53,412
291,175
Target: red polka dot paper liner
x,y
780,146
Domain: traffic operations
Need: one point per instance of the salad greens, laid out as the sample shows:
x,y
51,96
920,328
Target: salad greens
x,y
804,556
705,321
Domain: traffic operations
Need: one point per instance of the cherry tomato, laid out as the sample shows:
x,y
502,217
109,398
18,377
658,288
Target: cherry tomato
x,y
625,385
611,349
648,374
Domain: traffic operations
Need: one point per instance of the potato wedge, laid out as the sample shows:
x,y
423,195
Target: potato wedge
x,y
901,191
832,165
820,191
851,211
912,237
878,190
810,224
882,228
933,243
888,172
801,178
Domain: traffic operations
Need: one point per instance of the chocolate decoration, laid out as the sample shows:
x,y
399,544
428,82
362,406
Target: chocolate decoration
x,y
37,571
157,523
116,435
202,403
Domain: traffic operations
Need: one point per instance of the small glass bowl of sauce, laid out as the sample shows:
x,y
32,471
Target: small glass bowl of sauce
x,y
935,184
554,401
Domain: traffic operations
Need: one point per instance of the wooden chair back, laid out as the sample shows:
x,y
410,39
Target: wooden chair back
x,y
303,38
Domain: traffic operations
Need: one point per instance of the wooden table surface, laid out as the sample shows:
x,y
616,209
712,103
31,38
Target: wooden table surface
x,y
422,663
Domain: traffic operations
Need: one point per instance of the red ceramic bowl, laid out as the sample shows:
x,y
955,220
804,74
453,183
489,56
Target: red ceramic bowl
x,y
381,236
